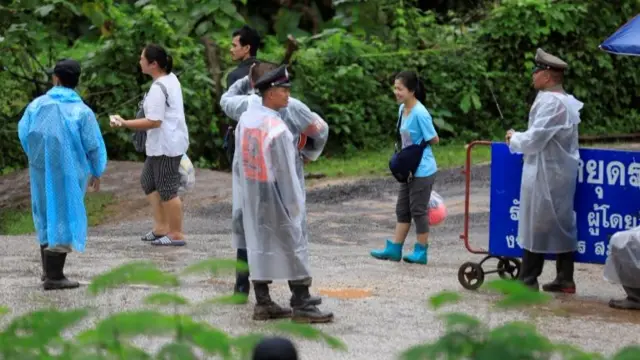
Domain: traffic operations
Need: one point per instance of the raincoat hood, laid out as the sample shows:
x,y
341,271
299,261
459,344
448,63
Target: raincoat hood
x,y
64,94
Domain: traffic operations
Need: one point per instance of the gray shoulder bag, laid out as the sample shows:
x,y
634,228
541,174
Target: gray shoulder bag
x,y
140,136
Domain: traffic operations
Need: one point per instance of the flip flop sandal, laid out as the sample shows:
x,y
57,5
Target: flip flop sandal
x,y
150,236
167,241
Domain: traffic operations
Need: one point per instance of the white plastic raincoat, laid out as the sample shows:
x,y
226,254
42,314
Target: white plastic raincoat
x,y
310,134
623,263
64,145
550,147
268,199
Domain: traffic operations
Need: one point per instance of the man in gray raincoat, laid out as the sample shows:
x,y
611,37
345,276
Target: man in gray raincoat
x,y
623,267
310,134
547,222
270,200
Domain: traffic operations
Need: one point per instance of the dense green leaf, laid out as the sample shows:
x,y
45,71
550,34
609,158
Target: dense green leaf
x,y
165,299
444,298
176,351
516,294
132,273
309,332
215,266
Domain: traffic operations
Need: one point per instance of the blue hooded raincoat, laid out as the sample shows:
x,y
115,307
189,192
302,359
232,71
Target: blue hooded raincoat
x,y
64,145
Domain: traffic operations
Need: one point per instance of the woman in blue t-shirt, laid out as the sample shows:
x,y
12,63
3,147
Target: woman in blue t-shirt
x,y
413,198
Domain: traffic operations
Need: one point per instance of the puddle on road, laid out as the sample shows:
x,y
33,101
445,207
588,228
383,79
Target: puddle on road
x,y
346,294
587,307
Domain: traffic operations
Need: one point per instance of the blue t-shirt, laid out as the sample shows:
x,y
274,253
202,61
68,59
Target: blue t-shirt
x,y
415,127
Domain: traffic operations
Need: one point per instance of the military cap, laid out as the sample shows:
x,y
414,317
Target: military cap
x,y
274,78
546,61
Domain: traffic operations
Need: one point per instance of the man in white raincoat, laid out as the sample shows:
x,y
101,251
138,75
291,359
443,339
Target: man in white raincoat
x,y
623,267
310,133
66,153
271,201
547,223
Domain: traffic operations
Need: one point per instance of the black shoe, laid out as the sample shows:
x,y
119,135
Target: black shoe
x,y
243,284
241,291
311,300
564,275
55,279
532,265
624,304
42,258
267,309
305,295
560,286
304,311
311,314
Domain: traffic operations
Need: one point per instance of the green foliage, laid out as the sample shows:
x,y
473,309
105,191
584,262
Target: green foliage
x,y
345,67
39,334
468,338
42,334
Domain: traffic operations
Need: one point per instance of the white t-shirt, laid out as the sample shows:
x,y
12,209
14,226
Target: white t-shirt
x,y
172,137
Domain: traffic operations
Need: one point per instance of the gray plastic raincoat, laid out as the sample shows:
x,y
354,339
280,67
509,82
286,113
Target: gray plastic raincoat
x,y
623,263
269,198
550,147
301,122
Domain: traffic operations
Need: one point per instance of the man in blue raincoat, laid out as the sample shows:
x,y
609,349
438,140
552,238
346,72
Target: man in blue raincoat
x,y
62,140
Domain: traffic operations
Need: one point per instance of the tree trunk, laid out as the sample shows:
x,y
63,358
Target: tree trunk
x,y
212,60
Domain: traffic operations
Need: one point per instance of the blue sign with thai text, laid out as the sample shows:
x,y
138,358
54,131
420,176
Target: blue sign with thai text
x,y
607,200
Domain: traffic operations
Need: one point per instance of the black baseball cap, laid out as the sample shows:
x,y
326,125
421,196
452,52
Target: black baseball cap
x,y
67,70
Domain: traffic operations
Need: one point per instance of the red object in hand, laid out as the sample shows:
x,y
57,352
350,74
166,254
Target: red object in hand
x,y
302,141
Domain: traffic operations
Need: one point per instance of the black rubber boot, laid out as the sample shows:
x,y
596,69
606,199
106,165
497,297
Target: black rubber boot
x,y
304,311
564,275
265,308
632,302
532,265
311,300
55,279
42,258
243,285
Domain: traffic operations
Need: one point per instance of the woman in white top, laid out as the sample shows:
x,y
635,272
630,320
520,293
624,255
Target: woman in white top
x,y
167,140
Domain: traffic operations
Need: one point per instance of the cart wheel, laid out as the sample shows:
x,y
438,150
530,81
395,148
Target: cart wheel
x,y
509,268
471,275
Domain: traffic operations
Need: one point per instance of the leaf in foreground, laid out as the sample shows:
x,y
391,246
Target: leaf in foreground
x,y
516,294
41,327
452,345
516,340
165,299
215,266
628,353
244,344
176,351
212,340
129,324
310,333
132,273
441,299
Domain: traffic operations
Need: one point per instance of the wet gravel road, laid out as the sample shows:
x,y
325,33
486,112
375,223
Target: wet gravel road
x,y
385,311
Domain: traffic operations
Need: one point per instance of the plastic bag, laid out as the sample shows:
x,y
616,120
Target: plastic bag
x,y
187,174
437,210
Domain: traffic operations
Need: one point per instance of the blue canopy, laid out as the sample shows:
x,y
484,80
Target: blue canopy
x,y
625,41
